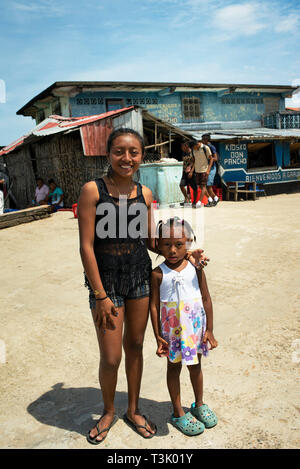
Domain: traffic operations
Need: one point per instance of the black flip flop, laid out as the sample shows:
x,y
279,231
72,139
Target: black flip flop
x,y
94,440
135,427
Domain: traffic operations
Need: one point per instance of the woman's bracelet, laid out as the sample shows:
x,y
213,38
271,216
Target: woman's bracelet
x,y
104,298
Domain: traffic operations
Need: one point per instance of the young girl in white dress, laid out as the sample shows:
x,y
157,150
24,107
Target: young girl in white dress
x,y
182,319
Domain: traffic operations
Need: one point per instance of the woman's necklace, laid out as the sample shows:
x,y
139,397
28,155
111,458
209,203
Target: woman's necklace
x,y
122,195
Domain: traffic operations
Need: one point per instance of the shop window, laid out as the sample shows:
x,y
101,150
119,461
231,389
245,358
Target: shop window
x,y
294,155
261,155
114,104
191,108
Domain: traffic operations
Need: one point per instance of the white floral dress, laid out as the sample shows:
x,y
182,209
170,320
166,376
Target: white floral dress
x,y
182,316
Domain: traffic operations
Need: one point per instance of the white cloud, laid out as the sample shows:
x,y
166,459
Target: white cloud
x,y
43,7
241,19
288,24
295,100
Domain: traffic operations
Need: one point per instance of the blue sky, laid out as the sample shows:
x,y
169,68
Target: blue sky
x,y
205,41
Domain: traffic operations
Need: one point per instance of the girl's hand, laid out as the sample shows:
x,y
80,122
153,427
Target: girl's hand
x,y
208,336
162,347
105,309
197,258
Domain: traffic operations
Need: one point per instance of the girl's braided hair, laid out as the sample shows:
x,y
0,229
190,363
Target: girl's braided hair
x,y
163,228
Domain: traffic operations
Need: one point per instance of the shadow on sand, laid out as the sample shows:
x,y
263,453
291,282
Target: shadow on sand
x,y
75,409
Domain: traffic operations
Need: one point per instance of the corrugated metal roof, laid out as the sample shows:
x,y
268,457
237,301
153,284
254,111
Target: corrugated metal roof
x,y
249,134
94,130
56,124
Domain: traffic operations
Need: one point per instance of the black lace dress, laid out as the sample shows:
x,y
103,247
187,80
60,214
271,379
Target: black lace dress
x,y
121,254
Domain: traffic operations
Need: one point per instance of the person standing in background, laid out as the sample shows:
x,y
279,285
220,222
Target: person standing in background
x,y
203,163
213,199
188,181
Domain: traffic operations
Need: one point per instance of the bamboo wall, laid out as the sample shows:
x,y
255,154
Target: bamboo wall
x,y
61,157
22,178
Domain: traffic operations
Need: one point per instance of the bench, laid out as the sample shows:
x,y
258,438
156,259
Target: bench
x,y
24,216
241,187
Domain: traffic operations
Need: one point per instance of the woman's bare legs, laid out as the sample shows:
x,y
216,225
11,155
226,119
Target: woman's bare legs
x,y
110,346
135,320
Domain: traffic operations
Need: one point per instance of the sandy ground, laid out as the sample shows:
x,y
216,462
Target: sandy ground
x,y
49,354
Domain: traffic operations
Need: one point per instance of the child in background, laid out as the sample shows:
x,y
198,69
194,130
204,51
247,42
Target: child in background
x,y
182,319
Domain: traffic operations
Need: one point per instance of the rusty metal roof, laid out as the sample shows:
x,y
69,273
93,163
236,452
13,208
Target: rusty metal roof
x,y
94,130
58,124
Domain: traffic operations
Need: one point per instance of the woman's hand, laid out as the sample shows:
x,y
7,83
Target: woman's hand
x,y
208,336
162,347
197,258
105,309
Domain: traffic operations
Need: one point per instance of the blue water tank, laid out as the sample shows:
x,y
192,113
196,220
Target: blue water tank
x,y
163,179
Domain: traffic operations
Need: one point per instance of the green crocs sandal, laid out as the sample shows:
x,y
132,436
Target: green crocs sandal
x,y
205,415
187,424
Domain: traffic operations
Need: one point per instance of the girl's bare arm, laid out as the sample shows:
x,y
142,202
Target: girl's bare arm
x,y
162,344
151,245
86,220
207,303
155,301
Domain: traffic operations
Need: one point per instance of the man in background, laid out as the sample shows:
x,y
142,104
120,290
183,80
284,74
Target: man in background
x,y
213,199
188,181
203,163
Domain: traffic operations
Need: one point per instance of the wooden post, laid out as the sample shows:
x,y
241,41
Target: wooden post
x,y
254,189
236,191
155,136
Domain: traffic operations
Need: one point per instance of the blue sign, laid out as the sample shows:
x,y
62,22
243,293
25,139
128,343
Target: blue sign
x,y
267,177
234,155
262,177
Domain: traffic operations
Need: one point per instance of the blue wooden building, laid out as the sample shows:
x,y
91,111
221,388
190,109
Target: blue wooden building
x,y
256,137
